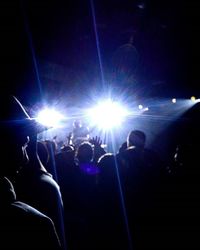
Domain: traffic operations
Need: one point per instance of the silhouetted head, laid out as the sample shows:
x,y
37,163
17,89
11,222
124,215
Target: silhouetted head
x,y
106,161
108,169
123,147
67,148
85,152
136,138
16,127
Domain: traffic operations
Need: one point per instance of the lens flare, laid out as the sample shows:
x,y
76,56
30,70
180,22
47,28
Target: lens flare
x,y
49,117
107,114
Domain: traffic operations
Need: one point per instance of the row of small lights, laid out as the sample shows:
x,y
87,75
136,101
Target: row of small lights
x,y
193,98
174,100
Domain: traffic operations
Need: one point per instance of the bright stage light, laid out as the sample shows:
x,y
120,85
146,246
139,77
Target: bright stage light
x,y
49,117
107,114
193,98
174,100
140,106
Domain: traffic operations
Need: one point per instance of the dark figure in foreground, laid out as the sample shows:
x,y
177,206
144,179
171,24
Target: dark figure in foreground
x,y
22,226
35,186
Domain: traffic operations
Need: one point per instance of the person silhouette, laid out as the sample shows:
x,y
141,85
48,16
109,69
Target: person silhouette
x,y
80,133
22,226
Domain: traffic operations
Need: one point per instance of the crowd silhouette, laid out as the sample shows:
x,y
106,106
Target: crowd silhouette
x,y
82,197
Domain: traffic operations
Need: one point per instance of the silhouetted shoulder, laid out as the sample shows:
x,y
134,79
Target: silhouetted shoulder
x,y
22,226
26,228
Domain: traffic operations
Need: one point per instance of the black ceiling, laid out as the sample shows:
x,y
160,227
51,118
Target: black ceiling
x,y
155,41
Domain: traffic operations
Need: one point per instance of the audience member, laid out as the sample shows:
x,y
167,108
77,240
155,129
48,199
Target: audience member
x,y
22,226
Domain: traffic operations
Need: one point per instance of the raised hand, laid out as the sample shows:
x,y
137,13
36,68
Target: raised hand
x,y
96,141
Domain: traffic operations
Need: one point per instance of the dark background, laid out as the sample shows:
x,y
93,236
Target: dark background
x,y
150,48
